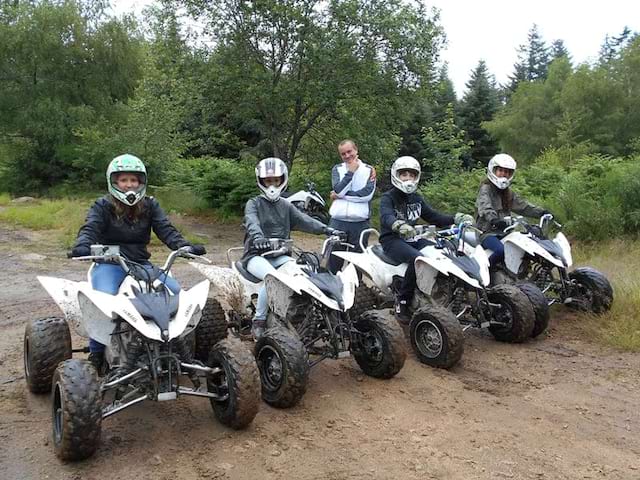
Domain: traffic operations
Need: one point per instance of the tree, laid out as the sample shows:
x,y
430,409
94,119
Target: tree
x,y
479,104
292,69
533,61
558,49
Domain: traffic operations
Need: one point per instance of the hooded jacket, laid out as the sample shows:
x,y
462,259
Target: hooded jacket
x,y
489,206
102,226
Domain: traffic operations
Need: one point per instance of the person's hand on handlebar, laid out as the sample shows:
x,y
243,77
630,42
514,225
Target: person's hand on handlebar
x,y
261,244
79,251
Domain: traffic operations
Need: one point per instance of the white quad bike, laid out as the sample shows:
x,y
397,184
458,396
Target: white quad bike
x,y
310,202
310,319
148,334
452,294
530,256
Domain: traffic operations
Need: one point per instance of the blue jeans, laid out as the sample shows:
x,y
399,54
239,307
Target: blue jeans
x,y
259,267
406,252
107,277
493,243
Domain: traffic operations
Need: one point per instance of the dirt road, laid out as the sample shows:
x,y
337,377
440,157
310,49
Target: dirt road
x,y
558,407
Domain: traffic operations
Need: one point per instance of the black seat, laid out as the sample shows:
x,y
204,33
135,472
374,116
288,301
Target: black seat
x,y
379,252
243,271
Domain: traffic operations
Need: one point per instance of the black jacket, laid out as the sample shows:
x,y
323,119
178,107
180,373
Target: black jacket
x,y
397,205
102,227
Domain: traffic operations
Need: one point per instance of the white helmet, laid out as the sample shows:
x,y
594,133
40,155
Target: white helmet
x,y
405,163
504,161
272,167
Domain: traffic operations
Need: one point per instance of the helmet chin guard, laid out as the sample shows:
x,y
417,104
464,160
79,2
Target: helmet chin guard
x,y
269,168
505,161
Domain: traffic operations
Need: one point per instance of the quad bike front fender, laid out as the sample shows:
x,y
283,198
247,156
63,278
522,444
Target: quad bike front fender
x,y
65,294
516,245
434,262
380,273
191,303
229,286
280,287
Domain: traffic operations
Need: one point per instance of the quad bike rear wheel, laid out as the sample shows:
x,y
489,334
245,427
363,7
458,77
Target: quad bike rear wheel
x,y
239,380
47,342
283,362
593,290
436,336
514,312
381,351
540,307
211,329
76,410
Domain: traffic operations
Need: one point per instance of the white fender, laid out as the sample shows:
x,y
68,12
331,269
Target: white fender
x,y
564,245
517,244
433,262
229,285
189,312
301,196
480,255
65,294
111,306
349,278
297,283
380,273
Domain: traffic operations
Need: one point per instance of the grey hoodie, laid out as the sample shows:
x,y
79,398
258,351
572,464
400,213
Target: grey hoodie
x,y
489,206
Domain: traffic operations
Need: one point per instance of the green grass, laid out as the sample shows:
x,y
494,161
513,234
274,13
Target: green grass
x,y
5,199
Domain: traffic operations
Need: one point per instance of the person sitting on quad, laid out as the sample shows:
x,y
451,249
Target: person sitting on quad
x,y
400,209
496,201
270,216
125,217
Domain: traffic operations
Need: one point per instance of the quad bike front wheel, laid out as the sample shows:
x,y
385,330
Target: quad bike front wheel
x,y
283,362
436,336
513,317
239,380
76,410
365,299
592,289
381,351
211,329
540,307
47,342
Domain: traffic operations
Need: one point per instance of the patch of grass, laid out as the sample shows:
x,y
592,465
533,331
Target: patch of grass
x,y
5,199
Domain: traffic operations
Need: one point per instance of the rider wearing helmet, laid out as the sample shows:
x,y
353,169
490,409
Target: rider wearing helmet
x,y
496,201
125,217
400,209
270,216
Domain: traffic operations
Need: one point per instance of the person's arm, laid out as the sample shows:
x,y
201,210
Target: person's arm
x,y
387,212
522,207
340,186
433,217
251,220
484,206
303,222
365,194
163,228
94,225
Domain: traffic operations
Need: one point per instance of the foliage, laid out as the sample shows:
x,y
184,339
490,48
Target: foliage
x,y
533,60
444,147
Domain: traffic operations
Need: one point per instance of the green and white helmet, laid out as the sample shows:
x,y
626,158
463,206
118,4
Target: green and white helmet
x,y
130,164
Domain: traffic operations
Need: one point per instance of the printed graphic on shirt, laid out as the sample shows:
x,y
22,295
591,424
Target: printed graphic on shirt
x,y
411,213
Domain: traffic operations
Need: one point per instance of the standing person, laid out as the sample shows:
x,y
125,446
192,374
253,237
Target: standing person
x,y
354,183
496,200
125,217
269,216
400,209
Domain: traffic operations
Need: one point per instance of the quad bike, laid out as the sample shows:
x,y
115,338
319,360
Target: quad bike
x,y
452,294
310,320
148,334
530,256
310,202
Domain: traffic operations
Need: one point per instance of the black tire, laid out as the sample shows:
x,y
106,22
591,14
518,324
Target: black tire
x,y
540,307
516,309
382,352
76,410
595,287
366,299
436,336
284,367
240,379
47,342
211,329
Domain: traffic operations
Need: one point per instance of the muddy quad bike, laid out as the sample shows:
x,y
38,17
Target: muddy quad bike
x,y
452,294
310,202
149,348
530,256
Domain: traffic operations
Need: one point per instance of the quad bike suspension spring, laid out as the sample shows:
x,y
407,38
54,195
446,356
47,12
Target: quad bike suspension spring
x,y
543,277
136,350
457,303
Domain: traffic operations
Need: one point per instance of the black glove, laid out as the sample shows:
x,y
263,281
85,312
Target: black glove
x,y
498,224
261,244
547,212
197,249
339,233
79,251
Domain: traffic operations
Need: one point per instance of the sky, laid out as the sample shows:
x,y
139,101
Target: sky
x,y
492,30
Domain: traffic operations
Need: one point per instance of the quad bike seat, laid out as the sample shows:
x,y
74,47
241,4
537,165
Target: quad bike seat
x,y
245,273
379,252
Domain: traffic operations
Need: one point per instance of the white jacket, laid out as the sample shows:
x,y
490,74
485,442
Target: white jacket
x,y
355,191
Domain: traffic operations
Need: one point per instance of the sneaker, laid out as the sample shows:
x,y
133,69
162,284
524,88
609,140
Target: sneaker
x,y
97,360
258,327
401,310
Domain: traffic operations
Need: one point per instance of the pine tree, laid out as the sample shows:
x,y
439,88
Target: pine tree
x,y
558,49
480,104
533,61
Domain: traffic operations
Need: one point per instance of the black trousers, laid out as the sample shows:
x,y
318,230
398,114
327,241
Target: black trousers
x,y
405,252
353,230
